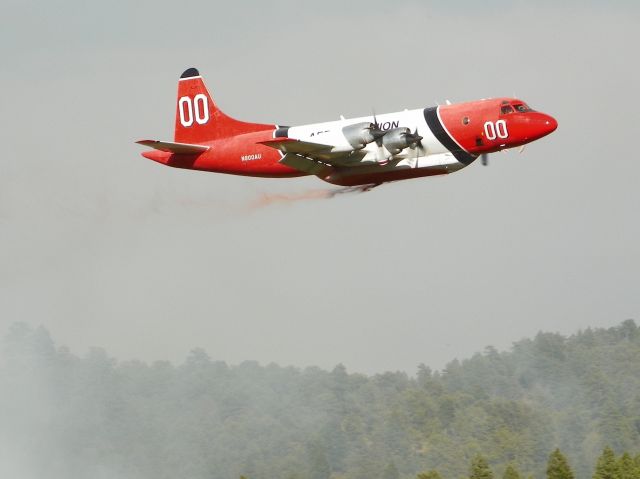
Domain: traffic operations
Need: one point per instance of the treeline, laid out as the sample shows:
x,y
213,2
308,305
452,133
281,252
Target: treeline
x,y
608,467
92,416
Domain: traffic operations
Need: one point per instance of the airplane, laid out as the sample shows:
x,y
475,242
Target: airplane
x,y
359,152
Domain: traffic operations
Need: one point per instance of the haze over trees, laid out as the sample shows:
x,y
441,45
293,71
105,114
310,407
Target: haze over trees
x,y
503,413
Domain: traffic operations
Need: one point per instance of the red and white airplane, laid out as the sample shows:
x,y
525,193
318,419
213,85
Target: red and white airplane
x,y
348,152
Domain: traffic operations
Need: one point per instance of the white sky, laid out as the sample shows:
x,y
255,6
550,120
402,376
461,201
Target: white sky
x,y
106,248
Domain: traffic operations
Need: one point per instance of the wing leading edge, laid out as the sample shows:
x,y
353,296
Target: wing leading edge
x,y
291,145
177,148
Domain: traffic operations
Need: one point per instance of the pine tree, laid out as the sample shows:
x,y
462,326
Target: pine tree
x,y
432,474
511,472
627,467
480,468
558,467
607,466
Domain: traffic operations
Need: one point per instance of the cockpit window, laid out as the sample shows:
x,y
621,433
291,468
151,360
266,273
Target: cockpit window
x,y
522,107
506,109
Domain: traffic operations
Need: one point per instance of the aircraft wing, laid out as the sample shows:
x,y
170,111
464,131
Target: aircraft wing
x,y
312,157
291,145
305,164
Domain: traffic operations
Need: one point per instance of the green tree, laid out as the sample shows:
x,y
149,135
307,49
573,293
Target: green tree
x,y
558,467
607,466
432,474
480,468
627,468
511,472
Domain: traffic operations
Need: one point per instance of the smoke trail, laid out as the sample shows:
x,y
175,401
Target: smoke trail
x,y
269,199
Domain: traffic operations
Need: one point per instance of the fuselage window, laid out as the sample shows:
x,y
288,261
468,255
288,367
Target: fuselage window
x,y
465,120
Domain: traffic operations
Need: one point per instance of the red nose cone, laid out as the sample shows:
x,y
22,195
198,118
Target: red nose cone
x,y
551,124
539,125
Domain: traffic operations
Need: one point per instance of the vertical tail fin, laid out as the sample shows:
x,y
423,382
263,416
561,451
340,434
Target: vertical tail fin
x,y
198,119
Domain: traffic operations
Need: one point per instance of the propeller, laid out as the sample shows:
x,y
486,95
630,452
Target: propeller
x,y
414,140
377,134
416,144
375,130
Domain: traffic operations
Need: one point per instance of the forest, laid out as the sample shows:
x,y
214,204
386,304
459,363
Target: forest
x,y
71,416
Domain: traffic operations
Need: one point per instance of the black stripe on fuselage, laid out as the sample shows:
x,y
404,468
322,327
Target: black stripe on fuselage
x,y
436,127
281,132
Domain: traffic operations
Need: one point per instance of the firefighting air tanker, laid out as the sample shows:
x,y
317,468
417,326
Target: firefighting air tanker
x,y
365,151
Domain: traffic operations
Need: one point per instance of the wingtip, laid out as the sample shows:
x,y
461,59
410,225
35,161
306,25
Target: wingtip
x,y
190,72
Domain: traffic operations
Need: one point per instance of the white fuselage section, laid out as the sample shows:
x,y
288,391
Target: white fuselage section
x,y
431,153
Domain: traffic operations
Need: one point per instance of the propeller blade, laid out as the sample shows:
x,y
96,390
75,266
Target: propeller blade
x,y
414,139
522,148
376,132
417,145
375,119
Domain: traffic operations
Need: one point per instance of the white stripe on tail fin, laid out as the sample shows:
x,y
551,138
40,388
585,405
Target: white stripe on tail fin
x,y
198,119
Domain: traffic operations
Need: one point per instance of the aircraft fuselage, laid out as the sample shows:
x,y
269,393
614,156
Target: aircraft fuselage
x,y
348,152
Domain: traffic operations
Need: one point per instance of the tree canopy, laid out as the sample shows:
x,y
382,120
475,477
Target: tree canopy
x,y
480,468
607,466
511,472
558,467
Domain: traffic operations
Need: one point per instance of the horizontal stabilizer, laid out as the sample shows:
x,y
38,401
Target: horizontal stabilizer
x,y
177,148
291,145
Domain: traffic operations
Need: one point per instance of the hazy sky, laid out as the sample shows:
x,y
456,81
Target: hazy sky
x,y
106,248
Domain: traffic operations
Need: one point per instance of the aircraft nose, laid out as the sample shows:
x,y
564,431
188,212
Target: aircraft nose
x,y
550,123
540,124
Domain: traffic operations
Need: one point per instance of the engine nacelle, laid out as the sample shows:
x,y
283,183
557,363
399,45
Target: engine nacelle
x,y
398,139
359,135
